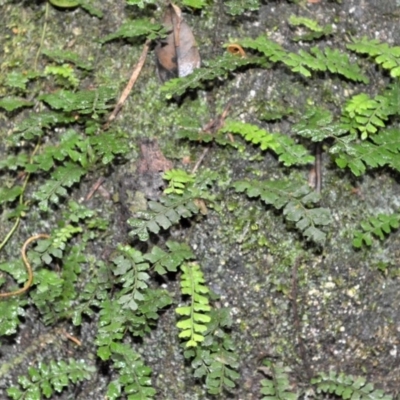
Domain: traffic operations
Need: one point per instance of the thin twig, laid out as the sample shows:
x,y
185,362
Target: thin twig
x,y
318,168
200,160
212,127
94,188
129,86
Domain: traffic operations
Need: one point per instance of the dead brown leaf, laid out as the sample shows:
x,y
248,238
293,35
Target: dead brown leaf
x,y
177,55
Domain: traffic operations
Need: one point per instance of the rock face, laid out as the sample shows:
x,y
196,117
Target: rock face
x,y
313,309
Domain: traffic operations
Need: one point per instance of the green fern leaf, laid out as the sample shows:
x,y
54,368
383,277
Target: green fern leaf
x,y
348,387
218,68
164,262
140,3
278,386
378,226
303,62
84,101
36,122
47,379
195,3
134,380
289,152
63,177
317,124
193,327
19,80
13,103
132,267
63,56
316,31
388,57
132,29
295,199
383,149
178,180
235,7
162,215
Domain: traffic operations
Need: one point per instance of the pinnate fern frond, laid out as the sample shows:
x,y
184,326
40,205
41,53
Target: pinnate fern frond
x,y
304,62
169,261
219,68
132,266
366,114
55,188
134,377
348,387
286,148
178,180
378,226
195,316
215,359
277,386
385,55
296,200
380,150
46,379
162,214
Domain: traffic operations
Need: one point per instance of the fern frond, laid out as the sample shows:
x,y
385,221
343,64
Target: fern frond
x,y
132,266
178,179
288,151
239,7
218,68
366,114
162,215
383,149
317,124
82,102
63,56
348,387
134,380
278,386
61,178
215,358
304,62
316,31
295,200
44,379
378,226
164,262
195,315
136,28
12,103
385,55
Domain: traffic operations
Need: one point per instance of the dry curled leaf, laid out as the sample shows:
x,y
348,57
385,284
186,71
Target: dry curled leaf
x,y
236,49
177,55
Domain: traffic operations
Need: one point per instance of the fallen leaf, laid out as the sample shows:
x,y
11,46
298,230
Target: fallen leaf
x,y
177,55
